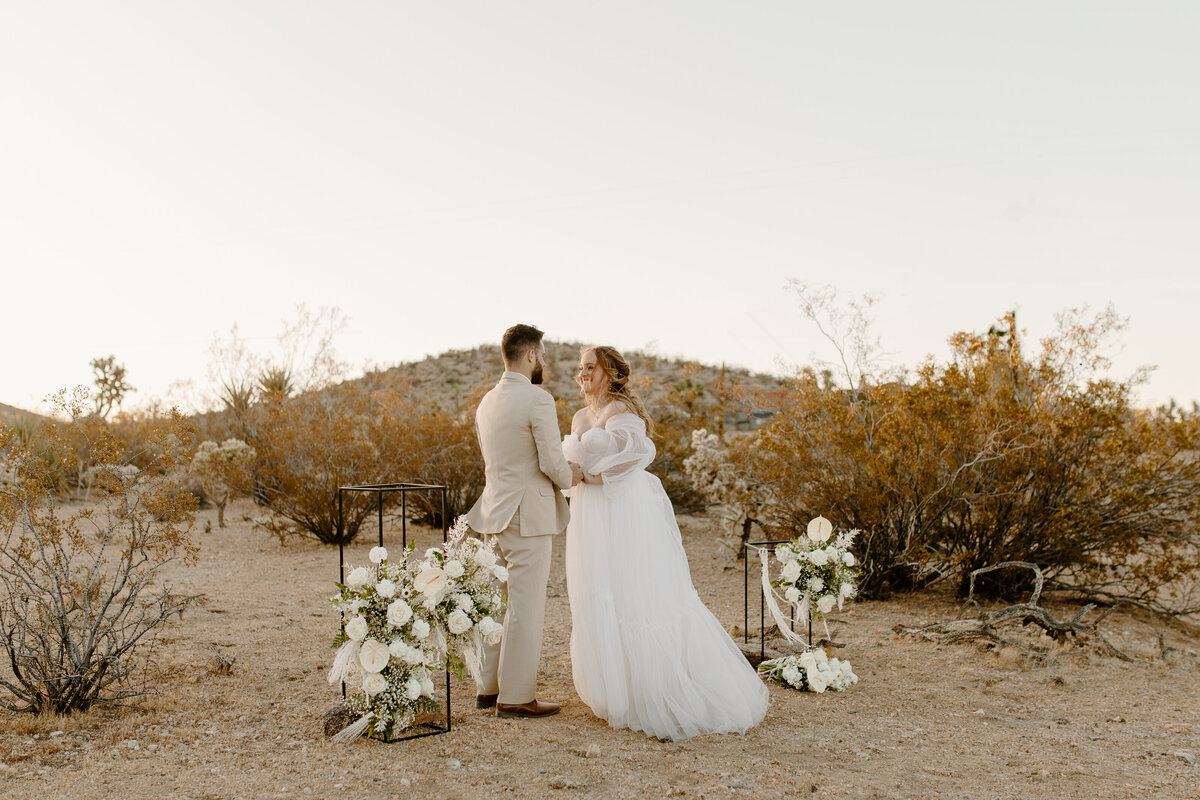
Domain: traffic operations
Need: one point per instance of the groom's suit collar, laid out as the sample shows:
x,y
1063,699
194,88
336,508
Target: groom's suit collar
x,y
514,377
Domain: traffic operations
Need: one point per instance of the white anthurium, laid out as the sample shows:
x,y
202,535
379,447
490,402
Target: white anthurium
x,y
820,529
373,656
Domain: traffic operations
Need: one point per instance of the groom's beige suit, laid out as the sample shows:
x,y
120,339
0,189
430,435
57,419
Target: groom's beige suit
x,y
522,507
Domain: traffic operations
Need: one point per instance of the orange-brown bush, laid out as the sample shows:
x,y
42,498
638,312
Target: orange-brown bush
x,y
438,447
358,432
994,456
309,445
82,604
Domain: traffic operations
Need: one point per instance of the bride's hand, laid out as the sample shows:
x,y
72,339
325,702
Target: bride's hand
x,y
594,479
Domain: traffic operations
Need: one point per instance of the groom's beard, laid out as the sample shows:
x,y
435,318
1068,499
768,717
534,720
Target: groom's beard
x,y
536,377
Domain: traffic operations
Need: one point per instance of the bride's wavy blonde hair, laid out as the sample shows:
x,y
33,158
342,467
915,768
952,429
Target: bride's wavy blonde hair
x,y
616,369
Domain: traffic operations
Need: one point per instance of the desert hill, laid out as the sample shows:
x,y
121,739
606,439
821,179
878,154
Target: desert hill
x,y
450,378
11,415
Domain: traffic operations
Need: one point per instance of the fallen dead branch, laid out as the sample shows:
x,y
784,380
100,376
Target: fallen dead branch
x,y
996,626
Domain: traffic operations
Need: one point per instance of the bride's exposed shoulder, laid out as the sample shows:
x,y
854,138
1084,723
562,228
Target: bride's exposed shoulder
x,y
612,409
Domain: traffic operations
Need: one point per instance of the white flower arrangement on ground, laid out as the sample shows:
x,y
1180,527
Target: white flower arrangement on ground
x,y
810,671
815,575
404,619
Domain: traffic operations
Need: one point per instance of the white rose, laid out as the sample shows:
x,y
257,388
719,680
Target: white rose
x,y
420,629
398,649
356,628
816,584
818,558
820,529
430,582
500,572
454,568
398,613
373,655
412,689
464,601
785,554
820,657
374,683
791,570
792,676
815,681
848,559
846,590
826,603
377,554
386,588
458,622
427,686
490,630
359,577
807,660
831,553
792,595
485,558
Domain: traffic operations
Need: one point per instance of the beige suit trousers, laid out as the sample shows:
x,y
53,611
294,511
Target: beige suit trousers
x,y
510,668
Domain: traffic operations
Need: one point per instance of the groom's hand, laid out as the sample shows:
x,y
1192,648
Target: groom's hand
x,y
576,473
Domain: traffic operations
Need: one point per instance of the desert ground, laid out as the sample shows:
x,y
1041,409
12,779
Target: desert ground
x,y
954,721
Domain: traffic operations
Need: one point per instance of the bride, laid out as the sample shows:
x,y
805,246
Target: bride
x,y
646,653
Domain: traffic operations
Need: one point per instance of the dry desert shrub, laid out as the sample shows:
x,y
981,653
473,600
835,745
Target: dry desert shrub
x,y
82,601
995,455
309,445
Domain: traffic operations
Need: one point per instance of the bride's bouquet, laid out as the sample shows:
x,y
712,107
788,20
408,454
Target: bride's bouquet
x,y
810,671
404,619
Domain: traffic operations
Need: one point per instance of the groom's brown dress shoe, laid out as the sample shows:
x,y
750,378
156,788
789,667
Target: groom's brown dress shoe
x,y
533,708
485,700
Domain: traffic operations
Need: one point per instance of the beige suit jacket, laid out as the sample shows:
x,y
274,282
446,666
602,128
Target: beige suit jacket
x,y
523,461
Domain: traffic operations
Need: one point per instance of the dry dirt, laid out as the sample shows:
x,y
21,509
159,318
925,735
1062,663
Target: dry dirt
x,y
925,721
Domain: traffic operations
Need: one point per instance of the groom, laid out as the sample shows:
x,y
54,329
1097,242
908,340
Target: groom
x,y
522,507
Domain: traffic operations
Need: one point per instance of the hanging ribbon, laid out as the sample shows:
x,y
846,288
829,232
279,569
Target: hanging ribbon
x,y
772,603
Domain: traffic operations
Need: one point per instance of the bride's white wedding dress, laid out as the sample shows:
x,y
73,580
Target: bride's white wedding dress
x,y
645,651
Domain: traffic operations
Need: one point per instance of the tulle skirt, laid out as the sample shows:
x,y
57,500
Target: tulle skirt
x,y
646,653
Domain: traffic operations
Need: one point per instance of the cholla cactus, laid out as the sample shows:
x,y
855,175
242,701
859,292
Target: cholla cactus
x,y
221,469
716,473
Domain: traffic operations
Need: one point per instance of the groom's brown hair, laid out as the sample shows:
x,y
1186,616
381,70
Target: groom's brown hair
x,y
517,340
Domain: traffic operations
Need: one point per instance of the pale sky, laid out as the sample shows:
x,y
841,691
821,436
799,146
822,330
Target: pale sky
x,y
634,173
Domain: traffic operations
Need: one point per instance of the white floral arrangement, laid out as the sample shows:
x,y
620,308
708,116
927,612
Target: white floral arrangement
x,y
402,620
815,573
810,671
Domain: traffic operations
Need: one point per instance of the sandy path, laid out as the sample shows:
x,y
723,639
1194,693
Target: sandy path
x,y
925,721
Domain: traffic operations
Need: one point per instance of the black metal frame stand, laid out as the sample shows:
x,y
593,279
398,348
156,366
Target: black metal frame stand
x,y
762,600
380,489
